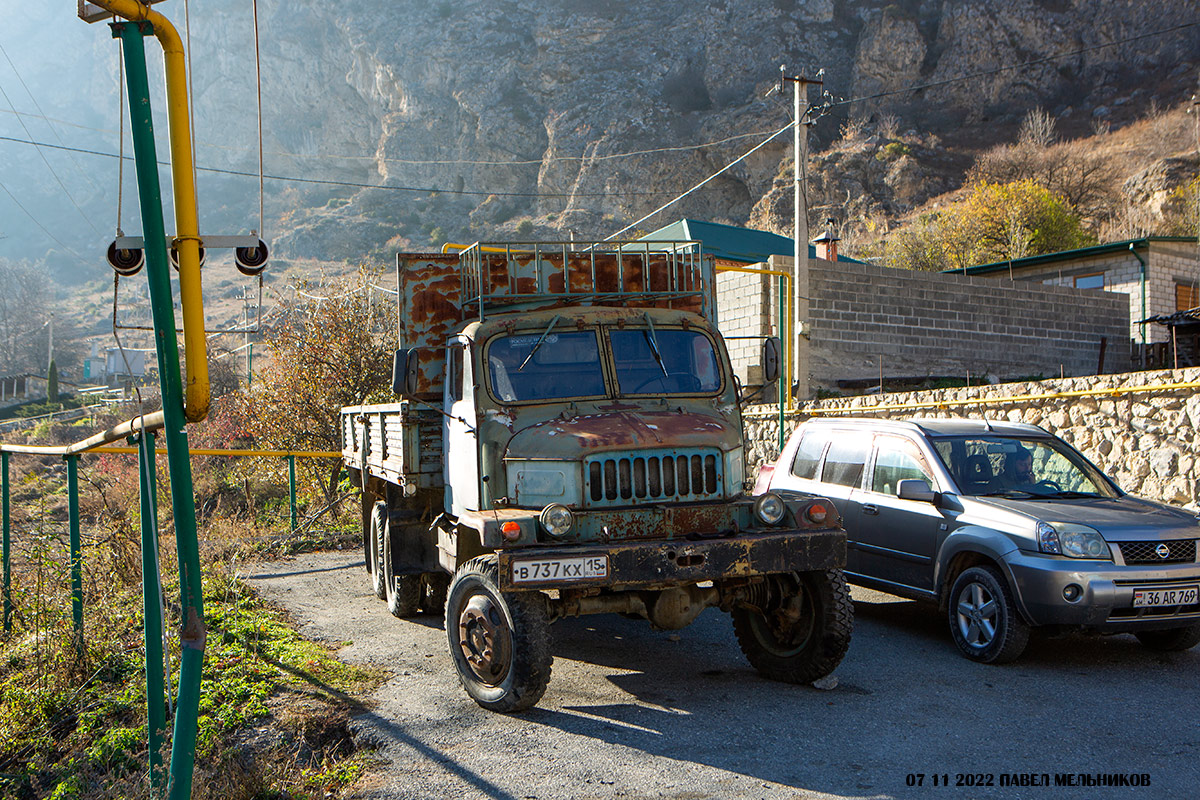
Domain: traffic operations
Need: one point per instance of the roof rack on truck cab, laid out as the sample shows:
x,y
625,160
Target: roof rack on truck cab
x,y
501,276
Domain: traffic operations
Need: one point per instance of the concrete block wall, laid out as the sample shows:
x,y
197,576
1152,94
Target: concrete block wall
x,y
743,300
866,317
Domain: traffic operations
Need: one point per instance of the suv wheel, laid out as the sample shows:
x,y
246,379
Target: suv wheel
x,y
807,633
983,620
499,641
1172,640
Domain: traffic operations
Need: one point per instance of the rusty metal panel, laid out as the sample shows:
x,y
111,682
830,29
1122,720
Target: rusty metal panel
x,y
661,564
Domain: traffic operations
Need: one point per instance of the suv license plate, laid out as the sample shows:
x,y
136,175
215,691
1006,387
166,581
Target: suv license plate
x,y
1177,596
560,569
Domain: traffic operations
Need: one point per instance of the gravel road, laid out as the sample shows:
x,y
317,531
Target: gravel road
x,y
634,713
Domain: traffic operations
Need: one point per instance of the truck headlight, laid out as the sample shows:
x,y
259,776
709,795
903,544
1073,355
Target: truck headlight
x,y
1072,540
557,519
769,508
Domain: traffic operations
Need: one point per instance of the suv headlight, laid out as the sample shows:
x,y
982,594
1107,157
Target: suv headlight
x,y
769,508
557,519
1072,540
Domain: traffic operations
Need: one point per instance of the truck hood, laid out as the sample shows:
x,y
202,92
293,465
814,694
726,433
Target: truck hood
x,y
570,439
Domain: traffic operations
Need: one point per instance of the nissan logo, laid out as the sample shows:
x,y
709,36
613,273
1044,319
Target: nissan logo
x,y
1162,551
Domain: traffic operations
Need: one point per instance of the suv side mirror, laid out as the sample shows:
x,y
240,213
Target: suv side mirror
x,y
771,358
916,489
405,366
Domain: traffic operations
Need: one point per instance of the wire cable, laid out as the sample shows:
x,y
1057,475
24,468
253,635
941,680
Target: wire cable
x,y
353,184
723,169
46,161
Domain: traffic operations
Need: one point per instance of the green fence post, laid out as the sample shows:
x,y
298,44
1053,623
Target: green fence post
x,y
76,550
179,467
292,488
156,717
7,562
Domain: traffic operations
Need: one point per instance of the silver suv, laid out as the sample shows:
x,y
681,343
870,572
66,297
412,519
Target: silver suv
x,y
1004,525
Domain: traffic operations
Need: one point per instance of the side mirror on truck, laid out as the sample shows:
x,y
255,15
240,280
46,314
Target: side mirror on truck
x,y
404,373
772,349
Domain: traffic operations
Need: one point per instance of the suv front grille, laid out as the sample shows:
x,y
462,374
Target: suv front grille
x,y
682,475
1179,551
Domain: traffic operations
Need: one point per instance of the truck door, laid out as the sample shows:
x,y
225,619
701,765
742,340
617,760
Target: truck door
x,y
461,474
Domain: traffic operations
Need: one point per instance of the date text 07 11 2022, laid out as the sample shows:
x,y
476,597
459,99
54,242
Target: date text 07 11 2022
x,y
1027,779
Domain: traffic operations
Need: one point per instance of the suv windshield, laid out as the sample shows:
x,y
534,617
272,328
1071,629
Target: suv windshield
x,y
1007,466
563,365
664,361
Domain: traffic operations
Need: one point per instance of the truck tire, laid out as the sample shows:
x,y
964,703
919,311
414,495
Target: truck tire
x,y
812,646
374,549
499,641
434,586
403,592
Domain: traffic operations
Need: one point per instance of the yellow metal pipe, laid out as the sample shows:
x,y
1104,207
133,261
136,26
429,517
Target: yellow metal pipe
x,y
187,222
995,401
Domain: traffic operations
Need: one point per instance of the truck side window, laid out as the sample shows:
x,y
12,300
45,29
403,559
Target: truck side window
x,y
454,360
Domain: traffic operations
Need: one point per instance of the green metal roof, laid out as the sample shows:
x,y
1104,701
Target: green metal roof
x,y
1068,255
731,243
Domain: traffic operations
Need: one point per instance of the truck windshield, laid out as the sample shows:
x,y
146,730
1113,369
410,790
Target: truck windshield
x,y
684,363
566,364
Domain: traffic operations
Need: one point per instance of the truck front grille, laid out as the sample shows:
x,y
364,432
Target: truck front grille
x,y
682,475
1178,551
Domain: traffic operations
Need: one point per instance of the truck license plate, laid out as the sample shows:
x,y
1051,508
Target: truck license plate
x,y
560,569
1177,596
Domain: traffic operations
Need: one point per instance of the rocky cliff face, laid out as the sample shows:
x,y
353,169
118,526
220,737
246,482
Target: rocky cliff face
x,y
583,115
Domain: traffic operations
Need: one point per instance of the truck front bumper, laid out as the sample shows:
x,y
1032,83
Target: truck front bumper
x,y
662,563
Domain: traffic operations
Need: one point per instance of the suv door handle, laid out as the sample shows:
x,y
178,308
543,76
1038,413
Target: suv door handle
x,y
870,509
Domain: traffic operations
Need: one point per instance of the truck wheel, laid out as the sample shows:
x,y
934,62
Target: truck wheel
x,y
433,592
984,622
1170,641
799,649
499,641
403,592
374,549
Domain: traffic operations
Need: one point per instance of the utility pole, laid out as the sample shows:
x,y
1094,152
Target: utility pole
x,y
800,214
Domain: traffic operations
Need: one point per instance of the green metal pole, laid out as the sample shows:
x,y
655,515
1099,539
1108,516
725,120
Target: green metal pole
x,y
7,563
292,488
183,742
156,716
76,554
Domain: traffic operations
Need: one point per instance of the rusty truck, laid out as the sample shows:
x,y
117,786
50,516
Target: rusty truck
x,y
568,440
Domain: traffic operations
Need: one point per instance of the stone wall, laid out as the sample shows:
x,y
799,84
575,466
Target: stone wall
x,y
1140,433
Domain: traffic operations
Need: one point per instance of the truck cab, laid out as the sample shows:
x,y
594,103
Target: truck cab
x,y
573,444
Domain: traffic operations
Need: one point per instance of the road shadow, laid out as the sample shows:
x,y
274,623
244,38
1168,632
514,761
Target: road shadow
x,y
905,701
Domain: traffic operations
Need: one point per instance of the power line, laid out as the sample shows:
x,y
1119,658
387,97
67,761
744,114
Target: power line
x,y
1011,67
42,115
423,162
46,161
53,238
728,166
353,184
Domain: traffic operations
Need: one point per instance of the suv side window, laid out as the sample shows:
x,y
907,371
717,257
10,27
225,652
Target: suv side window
x,y
808,454
845,460
898,459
